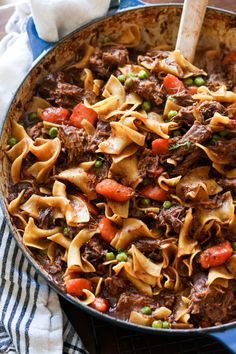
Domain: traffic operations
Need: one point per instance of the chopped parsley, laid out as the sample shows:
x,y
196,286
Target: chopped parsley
x,y
177,145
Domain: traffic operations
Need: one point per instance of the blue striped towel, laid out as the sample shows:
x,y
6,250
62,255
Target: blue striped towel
x,y
31,319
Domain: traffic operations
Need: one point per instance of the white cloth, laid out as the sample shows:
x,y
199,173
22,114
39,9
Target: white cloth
x,y
31,319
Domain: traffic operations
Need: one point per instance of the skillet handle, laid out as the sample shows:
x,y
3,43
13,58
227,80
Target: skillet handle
x,y
227,337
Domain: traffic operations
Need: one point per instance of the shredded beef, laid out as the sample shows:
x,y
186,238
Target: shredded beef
x,y
149,89
115,285
35,131
183,167
46,218
209,108
198,133
58,91
225,149
185,116
183,98
173,217
148,164
212,305
131,301
78,144
103,61
150,247
15,189
93,250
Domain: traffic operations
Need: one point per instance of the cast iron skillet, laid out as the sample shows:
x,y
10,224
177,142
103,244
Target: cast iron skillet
x,y
219,31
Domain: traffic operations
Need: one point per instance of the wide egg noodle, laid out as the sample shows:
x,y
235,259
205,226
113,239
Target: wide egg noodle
x,y
75,262
35,237
17,154
221,95
127,170
130,36
41,170
83,62
197,185
13,208
219,276
186,244
114,88
132,228
79,178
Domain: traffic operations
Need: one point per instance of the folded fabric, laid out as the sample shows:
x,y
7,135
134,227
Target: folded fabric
x,y
31,319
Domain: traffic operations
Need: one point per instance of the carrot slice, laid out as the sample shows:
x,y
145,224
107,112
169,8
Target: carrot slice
x,y
154,192
81,112
216,255
107,229
113,190
100,304
160,146
75,287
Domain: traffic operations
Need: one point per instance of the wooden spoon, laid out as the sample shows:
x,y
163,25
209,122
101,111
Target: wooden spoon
x,y
190,27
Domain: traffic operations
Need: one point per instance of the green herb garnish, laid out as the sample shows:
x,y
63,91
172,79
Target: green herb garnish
x,y
177,145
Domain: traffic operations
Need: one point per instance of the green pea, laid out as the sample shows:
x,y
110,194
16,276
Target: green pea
x,y
188,81
146,202
157,324
146,106
199,81
98,164
12,141
121,78
66,231
234,246
146,310
215,137
176,133
223,133
121,257
165,324
129,82
167,204
53,132
32,116
172,113
143,75
109,256
146,181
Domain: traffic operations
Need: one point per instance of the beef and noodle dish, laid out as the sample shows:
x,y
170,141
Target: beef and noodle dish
x,y
123,182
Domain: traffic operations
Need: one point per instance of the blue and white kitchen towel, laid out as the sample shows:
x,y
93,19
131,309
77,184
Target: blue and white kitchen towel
x,y
31,319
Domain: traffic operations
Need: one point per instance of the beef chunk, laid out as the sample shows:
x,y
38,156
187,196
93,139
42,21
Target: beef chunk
x,y
56,90
185,116
115,285
212,305
150,248
228,184
209,108
46,218
225,149
103,61
198,133
148,164
78,144
129,301
74,141
94,250
35,131
183,167
149,89
15,189
183,98
173,217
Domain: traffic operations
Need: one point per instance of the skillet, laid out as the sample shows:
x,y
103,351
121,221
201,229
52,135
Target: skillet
x,y
219,31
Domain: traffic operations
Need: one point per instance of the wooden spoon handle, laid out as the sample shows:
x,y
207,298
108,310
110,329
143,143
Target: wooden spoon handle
x,y
190,27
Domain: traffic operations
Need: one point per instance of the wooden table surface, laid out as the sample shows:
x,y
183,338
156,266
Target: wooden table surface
x,y
101,338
